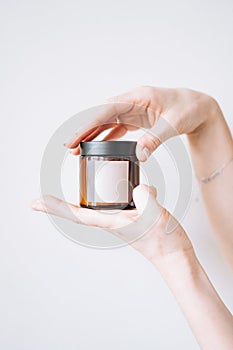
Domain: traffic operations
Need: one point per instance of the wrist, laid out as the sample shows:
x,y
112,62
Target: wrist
x,y
208,110
211,143
181,265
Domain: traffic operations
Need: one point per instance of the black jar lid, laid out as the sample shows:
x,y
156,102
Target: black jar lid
x,y
108,148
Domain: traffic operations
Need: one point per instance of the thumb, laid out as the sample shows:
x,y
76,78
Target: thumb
x,y
146,145
145,201
151,211
152,139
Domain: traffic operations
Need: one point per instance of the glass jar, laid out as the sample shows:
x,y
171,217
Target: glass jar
x,y
109,171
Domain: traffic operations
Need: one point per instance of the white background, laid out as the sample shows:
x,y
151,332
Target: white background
x,y
60,57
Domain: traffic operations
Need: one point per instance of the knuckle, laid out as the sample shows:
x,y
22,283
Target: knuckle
x,y
154,141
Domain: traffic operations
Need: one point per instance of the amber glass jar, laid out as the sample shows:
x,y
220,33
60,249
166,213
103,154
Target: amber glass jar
x,y
109,171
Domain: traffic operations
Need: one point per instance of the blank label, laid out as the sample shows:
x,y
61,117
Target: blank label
x,y
110,181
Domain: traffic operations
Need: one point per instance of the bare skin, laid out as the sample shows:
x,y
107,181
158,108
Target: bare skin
x,y
167,113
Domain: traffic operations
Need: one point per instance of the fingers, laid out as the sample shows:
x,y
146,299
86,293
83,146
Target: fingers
x,y
75,139
116,133
84,216
89,135
140,108
103,117
92,135
55,206
131,107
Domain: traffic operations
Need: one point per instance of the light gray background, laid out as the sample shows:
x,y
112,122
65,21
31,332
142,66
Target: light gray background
x,y
59,57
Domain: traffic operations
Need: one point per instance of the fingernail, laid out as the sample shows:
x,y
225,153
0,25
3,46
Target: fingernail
x,y
142,153
146,152
71,139
36,204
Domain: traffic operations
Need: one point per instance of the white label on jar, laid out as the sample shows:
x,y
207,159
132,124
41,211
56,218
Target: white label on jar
x,y
111,181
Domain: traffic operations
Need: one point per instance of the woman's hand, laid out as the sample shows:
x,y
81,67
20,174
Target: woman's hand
x,y
164,112
150,229
170,250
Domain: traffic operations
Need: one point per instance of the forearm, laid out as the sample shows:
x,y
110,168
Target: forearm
x,y
211,146
208,317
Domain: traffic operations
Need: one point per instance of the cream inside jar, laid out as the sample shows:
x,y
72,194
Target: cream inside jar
x,y
109,171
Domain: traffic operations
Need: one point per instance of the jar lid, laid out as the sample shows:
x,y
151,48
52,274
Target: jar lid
x,y
108,148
